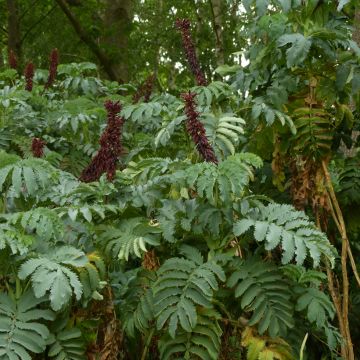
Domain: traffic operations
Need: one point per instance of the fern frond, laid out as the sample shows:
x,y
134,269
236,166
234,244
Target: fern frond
x,y
43,221
17,241
318,305
5,139
223,132
27,176
79,113
130,237
229,179
7,159
52,273
182,285
135,299
319,308
202,342
282,225
146,114
142,315
174,213
21,332
303,276
314,134
214,91
149,169
67,345
263,291
270,114
78,194
167,130
349,182
90,213
92,277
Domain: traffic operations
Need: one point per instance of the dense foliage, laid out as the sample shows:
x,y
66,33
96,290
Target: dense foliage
x,y
213,221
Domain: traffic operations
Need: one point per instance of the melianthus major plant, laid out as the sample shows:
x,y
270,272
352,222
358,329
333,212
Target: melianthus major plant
x,y
168,257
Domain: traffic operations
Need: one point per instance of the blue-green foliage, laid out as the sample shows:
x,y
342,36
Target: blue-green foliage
x,y
159,247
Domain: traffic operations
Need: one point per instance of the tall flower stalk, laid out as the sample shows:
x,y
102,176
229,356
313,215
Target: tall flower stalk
x,y
110,146
145,90
12,60
54,61
37,147
196,129
29,75
183,25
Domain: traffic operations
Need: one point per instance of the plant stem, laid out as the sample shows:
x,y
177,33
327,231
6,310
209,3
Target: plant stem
x,y
303,346
337,304
237,324
339,220
147,344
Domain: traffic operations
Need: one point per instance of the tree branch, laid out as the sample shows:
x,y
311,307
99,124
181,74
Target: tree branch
x,y
13,28
31,7
213,18
215,8
93,46
38,22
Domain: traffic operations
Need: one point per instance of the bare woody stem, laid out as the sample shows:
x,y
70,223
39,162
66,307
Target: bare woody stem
x,y
343,313
339,219
337,303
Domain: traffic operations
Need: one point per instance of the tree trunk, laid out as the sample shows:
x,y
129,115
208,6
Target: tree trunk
x,y
356,33
2,63
356,38
117,23
216,9
93,46
14,38
158,44
201,16
355,133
